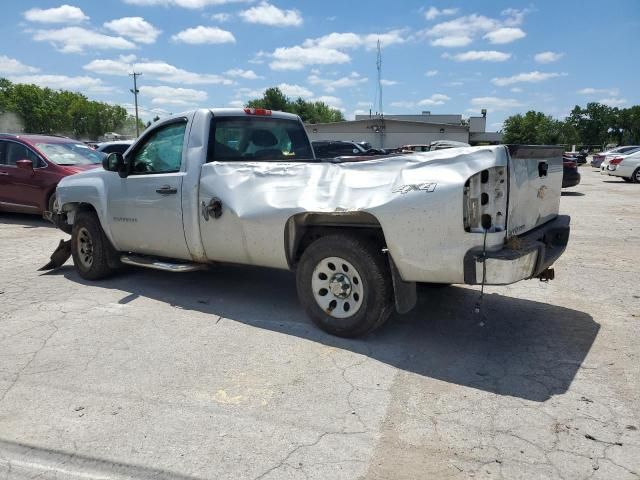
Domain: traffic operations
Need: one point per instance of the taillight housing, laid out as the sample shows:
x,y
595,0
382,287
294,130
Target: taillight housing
x,y
485,201
257,111
616,161
569,163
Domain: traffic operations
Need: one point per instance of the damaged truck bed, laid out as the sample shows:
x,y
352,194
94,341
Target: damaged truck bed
x,y
243,186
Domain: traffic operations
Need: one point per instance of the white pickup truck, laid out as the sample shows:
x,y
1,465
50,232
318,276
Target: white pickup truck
x,y
243,186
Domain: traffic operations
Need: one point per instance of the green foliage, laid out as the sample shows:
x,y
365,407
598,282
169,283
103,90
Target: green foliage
x,y
596,124
310,112
43,110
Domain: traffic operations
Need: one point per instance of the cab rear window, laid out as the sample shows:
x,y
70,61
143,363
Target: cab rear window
x,y
257,139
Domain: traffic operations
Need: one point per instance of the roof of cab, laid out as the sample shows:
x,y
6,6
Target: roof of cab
x,y
242,112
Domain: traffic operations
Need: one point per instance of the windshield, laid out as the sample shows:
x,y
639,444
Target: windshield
x,y
70,153
255,138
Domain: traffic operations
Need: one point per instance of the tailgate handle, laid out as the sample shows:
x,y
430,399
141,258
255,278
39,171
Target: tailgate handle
x,y
542,169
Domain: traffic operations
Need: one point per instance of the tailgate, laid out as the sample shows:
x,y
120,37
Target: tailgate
x,y
535,180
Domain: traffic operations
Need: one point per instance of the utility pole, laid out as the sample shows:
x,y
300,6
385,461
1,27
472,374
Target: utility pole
x,y
135,92
379,67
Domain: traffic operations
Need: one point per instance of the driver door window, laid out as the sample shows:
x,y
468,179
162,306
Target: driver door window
x,y
162,151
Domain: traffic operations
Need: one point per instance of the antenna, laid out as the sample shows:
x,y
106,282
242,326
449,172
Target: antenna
x,y
135,92
379,66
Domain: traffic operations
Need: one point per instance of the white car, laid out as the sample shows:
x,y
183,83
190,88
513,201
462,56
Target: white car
x,y
626,166
598,158
604,167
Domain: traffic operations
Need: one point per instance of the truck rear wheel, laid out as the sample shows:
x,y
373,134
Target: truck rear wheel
x,y
344,285
90,247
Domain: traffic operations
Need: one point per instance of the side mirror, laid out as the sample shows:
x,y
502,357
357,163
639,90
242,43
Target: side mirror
x,y
25,164
114,162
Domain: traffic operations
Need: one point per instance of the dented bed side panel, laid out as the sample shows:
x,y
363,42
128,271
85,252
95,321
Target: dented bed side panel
x,y
417,199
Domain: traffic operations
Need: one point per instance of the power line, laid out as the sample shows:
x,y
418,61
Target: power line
x,y
135,92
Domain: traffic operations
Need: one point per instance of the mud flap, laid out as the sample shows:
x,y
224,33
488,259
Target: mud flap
x,y
59,256
404,292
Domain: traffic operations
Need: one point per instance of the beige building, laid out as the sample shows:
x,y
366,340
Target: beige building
x,y
393,131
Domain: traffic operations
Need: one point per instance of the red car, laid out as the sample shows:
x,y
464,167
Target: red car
x,y
32,165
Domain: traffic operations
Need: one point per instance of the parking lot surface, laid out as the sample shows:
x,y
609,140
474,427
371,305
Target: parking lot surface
x,y
219,374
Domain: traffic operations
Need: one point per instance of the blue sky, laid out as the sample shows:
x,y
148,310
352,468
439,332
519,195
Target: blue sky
x,y
445,57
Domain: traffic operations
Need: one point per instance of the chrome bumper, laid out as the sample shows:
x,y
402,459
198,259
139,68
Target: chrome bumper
x,y
524,257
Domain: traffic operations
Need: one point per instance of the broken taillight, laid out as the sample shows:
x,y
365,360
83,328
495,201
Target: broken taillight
x,y
485,201
257,111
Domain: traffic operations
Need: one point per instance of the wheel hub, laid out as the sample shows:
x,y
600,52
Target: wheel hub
x,y
340,285
337,287
85,248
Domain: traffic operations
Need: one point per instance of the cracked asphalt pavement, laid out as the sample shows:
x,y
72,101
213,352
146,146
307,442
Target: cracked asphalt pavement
x,y
219,375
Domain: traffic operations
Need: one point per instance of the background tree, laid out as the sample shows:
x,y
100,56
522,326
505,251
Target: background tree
x,y
595,124
310,112
43,110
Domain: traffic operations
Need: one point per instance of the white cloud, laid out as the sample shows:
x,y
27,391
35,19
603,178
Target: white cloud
x,y
403,104
463,30
495,103
201,35
328,49
435,99
191,4
530,77
221,17
331,84
63,82
613,102
249,93
61,14
333,102
163,95
388,83
434,12
612,92
296,58
240,73
295,90
267,14
452,41
154,69
77,39
236,103
431,73
548,57
135,28
516,90
11,66
504,35
479,55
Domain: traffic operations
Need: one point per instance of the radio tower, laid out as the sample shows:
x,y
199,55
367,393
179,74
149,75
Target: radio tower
x,y
379,66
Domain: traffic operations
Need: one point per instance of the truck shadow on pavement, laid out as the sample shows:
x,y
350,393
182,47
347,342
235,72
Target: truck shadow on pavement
x,y
26,220
525,349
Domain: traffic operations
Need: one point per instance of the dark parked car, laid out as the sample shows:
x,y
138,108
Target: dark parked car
x,y
571,176
579,157
32,165
118,146
332,149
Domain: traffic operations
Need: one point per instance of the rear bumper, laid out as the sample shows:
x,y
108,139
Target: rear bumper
x,y
524,257
570,177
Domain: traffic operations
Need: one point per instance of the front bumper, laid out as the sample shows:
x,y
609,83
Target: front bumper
x,y
523,257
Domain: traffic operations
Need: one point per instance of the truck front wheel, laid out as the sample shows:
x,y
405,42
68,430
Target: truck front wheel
x,y
344,284
90,247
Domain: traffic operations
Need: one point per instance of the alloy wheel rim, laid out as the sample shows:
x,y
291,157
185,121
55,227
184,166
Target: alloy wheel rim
x,y
85,248
337,287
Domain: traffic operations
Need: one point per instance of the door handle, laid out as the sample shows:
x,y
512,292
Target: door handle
x,y
167,190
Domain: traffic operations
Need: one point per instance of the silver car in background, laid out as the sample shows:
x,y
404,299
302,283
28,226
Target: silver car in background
x,y
598,158
626,166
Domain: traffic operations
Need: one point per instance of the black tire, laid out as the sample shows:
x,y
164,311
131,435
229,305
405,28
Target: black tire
x,y
93,261
636,175
372,277
627,179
